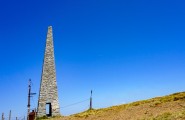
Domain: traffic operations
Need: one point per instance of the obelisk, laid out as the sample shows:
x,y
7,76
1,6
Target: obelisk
x,y
48,103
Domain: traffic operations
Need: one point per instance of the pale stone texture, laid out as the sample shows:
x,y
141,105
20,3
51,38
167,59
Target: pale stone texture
x,y
48,87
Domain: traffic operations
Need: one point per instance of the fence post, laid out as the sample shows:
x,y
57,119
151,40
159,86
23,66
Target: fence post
x,y
2,116
35,114
10,115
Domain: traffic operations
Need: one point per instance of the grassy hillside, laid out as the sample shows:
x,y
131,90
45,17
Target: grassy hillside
x,y
171,107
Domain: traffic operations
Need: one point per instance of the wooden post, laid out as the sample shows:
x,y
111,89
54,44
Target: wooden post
x,y
91,101
29,95
29,91
10,115
35,114
2,116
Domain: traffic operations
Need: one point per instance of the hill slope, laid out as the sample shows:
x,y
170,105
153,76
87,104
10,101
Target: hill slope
x,y
171,107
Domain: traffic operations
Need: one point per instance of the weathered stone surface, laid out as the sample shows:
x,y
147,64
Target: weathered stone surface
x,y
48,87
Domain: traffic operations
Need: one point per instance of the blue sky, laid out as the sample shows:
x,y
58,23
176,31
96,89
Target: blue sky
x,y
124,50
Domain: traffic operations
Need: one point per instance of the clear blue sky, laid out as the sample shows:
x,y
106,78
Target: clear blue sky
x,y
124,50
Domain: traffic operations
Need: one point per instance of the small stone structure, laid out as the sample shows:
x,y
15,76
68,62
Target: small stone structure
x,y
48,94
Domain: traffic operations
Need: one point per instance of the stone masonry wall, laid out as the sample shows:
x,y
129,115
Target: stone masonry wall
x,y
48,87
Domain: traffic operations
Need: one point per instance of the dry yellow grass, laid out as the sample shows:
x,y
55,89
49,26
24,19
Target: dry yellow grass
x,y
171,107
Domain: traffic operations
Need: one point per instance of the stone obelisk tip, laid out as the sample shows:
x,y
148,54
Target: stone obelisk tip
x,y
50,27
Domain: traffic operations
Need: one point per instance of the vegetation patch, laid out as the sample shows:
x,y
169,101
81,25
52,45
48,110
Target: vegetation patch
x,y
136,110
